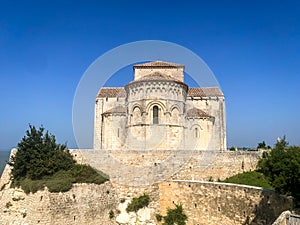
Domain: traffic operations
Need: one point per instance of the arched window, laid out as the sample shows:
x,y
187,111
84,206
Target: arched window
x,y
155,115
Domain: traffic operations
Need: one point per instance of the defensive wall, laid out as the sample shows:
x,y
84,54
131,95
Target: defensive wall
x,y
203,202
144,167
220,203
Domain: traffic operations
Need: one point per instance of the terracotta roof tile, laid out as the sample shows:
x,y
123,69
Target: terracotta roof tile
x,y
159,64
195,112
205,92
117,109
192,92
157,76
111,92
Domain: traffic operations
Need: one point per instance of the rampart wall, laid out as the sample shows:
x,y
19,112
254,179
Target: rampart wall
x,y
149,166
219,203
83,204
203,202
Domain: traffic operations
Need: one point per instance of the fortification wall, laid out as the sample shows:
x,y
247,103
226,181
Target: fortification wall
x,y
136,167
217,166
203,202
219,203
83,204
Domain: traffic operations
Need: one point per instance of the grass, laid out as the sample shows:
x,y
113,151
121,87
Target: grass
x,y
138,203
62,181
175,216
252,178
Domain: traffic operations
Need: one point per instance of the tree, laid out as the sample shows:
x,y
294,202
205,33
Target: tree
x,y
175,216
282,167
39,155
232,149
262,145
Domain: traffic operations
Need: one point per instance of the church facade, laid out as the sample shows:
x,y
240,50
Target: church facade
x,y
158,111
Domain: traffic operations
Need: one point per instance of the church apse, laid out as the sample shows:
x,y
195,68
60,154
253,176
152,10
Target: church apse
x,y
158,111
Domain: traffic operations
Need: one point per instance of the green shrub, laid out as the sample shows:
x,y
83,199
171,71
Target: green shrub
x,y
39,155
138,203
86,174
252,178
281,166
158,217
61,181
32,186
262,145
232,149
40,162
175,216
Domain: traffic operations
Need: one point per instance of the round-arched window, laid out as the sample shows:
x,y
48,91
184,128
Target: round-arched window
x,y
155,114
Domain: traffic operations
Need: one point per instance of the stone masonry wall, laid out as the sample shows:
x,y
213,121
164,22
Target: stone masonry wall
x,y
83,204
217,165
128,166
203,202
219,203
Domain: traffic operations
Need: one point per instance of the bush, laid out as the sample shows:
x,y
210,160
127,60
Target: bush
x,y
232,149
252,178
29,185
282,168
175,216
262,145
158,217
86,174
38,156
40,162
62,181
138,203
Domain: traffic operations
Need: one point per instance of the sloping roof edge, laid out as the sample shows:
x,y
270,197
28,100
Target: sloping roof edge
x,y
205,92
159,64
195,112
192,92
116,110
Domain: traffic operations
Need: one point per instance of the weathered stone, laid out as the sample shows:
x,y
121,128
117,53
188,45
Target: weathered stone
x,y
157,111
203,202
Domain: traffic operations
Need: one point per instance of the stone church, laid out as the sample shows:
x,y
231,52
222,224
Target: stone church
x,y
158,111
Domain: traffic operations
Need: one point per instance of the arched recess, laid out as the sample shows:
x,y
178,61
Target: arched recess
x,y
175,116
136,115
160,105
136,105
158,108
195,131
178,108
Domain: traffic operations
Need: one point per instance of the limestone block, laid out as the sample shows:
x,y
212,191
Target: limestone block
x,y
124,217
18,194
144,215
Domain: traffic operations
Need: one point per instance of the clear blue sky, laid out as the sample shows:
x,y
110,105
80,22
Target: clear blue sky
x,y
253,48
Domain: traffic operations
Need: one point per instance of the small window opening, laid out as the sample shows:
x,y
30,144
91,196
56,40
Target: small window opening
x,y
155,115
196,133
